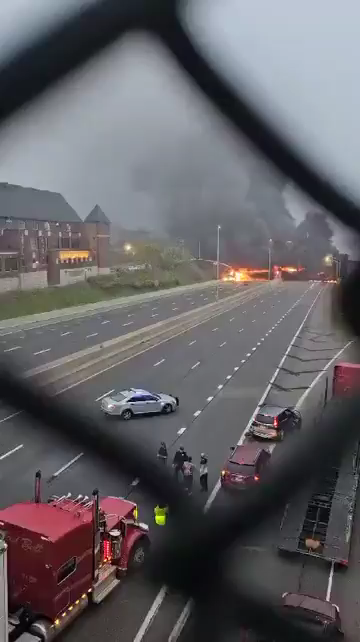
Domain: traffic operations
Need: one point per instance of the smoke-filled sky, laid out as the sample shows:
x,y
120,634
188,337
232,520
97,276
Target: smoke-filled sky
x,y
105,135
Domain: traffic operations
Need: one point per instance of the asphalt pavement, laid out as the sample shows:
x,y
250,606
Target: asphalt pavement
x,y
40,345
219,370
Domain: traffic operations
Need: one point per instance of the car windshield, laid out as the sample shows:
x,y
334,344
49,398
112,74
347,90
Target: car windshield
x,y
119,396
267,420
240,469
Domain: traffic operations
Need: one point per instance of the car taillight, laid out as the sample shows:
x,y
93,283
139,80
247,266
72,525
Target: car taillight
x,y
256,478
276,422
224,473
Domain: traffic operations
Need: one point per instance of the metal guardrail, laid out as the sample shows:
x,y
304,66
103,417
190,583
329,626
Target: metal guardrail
x,y
190,560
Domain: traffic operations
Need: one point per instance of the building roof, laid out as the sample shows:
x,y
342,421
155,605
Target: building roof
x,y
53,522
97,216
27,203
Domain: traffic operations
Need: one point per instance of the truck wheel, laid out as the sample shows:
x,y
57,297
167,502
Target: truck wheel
x,y
138,555
126,415
167,409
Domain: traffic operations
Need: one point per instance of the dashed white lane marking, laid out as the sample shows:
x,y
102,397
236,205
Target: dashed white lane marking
x,y
158,363
214,329
154,315
195,365
41,351
15,414
192,342
220,386
197,413
181,431
135,482
232,319
258,343
64,334
192,302
262,301
13,348
243,360
209,399
128,323
206,298
131,315
264,312
155,308
236,368
248,354
241,330
11,452
106,394
222,344
255,305
103,322
228,377
254,320
66,466
253,349
93,334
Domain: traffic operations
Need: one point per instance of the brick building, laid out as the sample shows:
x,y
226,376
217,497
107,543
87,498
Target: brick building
x,y
44,242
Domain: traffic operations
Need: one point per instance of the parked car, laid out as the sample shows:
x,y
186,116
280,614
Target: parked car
x,y
275,422
318,616
244,466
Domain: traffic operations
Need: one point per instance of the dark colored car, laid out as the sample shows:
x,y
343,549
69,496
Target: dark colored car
x,y
274,422
244,466
317,616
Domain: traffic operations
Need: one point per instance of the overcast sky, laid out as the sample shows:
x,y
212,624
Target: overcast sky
x,y
85,140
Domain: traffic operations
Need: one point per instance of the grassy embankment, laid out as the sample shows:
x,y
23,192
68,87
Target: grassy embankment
x,y
101,288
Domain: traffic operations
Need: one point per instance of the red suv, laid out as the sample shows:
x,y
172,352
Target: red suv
x,y
244,466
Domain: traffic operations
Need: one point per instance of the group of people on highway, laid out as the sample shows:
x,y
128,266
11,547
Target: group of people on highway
x,y
184,467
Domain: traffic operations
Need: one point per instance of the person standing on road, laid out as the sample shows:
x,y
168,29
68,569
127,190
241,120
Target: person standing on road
x,y
180,458
160,513
203,473
162,454
188,472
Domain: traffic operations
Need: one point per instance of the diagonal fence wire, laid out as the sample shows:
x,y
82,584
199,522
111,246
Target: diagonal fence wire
x,y
191,559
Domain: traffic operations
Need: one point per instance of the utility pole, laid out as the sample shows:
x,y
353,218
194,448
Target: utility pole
x,y
269,269
199,253
218,261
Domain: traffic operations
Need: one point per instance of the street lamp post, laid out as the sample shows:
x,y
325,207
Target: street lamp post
x,y
269,268
218,261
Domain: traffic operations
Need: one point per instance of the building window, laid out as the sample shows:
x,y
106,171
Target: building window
x,y
66,569
65,243
75,242
11,264
35,225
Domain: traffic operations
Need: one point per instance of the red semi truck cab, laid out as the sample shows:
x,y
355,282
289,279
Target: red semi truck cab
x,y
346,378
64,554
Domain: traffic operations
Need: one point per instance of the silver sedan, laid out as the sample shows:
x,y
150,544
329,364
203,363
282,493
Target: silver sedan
x,y
127,403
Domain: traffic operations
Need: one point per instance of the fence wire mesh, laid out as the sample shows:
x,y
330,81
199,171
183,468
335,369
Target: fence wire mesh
x,y
191,559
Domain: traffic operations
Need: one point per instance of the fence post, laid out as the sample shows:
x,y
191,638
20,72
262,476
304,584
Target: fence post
x,y
326,391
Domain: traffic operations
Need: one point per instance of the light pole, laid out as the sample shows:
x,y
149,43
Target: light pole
x,y
218,261
199,253
269,268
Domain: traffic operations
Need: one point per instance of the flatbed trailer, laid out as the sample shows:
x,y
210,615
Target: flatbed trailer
x,y
319,520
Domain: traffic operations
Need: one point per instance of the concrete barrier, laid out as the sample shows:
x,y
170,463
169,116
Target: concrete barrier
x,y
110,352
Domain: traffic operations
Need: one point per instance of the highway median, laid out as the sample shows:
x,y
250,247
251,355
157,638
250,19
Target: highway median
x,y
86,363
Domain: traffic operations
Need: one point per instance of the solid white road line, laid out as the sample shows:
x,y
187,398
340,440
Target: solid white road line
x,y
15,414
105,394
158,363
181,622
11,452
330,582
41,351
12,349
66,466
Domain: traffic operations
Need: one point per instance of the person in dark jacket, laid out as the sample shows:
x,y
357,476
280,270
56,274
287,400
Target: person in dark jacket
x,y
203,469
162,454
178,462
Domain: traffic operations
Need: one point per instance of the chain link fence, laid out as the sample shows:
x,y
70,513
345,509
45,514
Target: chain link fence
x,y
191,559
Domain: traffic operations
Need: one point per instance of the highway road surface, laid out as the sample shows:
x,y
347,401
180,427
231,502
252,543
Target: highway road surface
x,y
42,344
219,370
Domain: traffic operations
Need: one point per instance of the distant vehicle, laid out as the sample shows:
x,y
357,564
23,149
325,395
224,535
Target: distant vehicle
x,y
317,616
318,521
134,401
244,466
274,422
